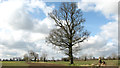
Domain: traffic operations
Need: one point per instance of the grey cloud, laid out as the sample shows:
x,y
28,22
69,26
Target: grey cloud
x,y
21,20
18,44
41,28
24,21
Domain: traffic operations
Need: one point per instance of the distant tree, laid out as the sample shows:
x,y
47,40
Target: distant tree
x,y
41,58
76,58
13,58
44,57
53,59
69,20
6,59
30,55
26,58
20,59
33,55
84,57
114,56
109,58
94,58
3,59
90,56
65,59
80,58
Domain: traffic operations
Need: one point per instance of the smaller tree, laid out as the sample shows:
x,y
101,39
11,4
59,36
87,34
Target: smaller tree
x,y
114,56
26,57
44,57
41,58
30,55
53,59
94,58
33,55
84,57
109,58
90,56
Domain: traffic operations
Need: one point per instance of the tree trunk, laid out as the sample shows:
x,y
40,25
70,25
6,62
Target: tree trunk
x,y
44,59
71,56
35,59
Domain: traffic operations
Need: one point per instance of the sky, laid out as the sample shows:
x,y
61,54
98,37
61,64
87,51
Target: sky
x,y
24,25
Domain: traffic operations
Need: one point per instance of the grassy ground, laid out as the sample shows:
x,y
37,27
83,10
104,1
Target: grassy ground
x,y
76,63
14,63
87,63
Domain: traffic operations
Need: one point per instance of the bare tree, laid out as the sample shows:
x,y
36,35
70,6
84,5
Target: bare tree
x,y
70,31
114,56
26,57
53,59
30,55
33,55
44,57
84,57
109,58
90,56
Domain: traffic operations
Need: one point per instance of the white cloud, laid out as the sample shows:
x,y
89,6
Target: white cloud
x,y
106,41
20,32
110,30
103,44
109,8
40,4
44,26
19,17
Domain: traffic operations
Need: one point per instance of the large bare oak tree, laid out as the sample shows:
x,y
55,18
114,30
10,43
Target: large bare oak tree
x,y
70,29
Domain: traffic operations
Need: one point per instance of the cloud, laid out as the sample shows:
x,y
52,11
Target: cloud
x,y
6,53
40,4
103,44
19,18
109,8
110,30
44,26
20,31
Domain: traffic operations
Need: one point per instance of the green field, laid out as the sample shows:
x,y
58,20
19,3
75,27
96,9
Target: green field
x,y
87,63
14,63
76,63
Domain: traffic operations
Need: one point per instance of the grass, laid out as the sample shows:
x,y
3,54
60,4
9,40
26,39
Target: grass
x,y
14,63
119,62
76,63
86,63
